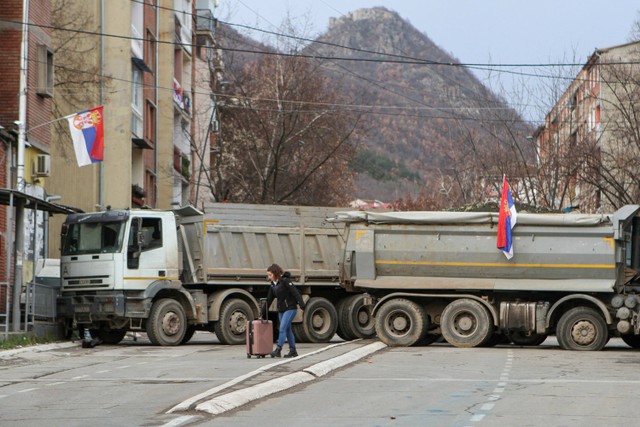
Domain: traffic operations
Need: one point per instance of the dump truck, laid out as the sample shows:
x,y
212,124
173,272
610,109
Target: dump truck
x,y
171,273
439,274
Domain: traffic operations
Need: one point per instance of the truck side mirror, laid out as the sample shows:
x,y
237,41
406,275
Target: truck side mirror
x,y
134,250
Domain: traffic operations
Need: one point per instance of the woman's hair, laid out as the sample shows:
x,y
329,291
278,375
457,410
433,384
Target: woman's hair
x,y
276,270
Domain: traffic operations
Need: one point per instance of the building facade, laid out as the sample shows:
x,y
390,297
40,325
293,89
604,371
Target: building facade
x,y
26,90
588,145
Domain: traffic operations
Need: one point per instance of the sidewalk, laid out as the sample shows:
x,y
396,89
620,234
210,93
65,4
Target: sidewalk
x,y
278,376
38,348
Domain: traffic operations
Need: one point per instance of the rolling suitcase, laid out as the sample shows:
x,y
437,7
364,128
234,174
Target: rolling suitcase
x,y
259,337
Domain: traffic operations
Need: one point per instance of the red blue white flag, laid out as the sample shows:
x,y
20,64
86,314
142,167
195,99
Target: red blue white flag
x,y
506,220
87,133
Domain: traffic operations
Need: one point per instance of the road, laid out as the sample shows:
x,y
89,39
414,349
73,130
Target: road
x,y
135,383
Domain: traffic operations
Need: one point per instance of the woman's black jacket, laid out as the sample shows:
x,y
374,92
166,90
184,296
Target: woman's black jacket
x,y
286,293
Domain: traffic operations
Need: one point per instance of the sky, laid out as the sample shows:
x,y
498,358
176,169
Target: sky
x,y
473,31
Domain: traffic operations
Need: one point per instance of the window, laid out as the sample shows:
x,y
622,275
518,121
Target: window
x,y
137,103
151,234
45,72
93,238
150,48
150,122
137,28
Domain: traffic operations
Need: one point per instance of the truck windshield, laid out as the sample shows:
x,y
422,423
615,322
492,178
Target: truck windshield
x,y
93,237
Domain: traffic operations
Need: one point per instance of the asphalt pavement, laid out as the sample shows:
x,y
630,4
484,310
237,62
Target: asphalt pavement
x,y
268,379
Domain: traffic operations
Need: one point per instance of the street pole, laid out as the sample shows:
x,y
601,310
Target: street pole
x,y
22,136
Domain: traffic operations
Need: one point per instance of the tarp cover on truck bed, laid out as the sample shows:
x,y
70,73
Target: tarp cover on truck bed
x,y
424,217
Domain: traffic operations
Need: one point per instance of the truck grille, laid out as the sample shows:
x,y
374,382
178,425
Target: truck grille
x,y
87,282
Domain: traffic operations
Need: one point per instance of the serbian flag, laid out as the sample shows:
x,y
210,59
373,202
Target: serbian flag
x,y
506,220
87,133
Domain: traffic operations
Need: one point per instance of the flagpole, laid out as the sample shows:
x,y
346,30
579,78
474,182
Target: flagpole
x,y
48,123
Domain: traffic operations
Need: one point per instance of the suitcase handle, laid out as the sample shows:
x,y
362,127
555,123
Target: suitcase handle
x,y
264,309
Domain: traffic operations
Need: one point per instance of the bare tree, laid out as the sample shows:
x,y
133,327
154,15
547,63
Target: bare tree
x,y
283,137
612,162
634,33
77,73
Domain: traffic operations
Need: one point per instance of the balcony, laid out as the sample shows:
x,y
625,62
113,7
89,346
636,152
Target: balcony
x,y
205,22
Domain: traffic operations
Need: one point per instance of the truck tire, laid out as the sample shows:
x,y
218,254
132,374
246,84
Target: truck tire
x,y
191,329
466,323
299,333
167,322
401,322
108,336
344,330
357,317
521,338
582,329
632,341
231,327
319,320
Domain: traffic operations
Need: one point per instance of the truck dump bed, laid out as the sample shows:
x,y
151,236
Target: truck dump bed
x,y
457,251
235,243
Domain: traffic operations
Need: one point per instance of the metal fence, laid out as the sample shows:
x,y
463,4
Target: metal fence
x,y
40,303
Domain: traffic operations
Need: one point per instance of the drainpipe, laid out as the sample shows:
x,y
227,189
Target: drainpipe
x,y
156,110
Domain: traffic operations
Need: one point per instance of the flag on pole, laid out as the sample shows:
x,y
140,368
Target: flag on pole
x,y
506,220
87,133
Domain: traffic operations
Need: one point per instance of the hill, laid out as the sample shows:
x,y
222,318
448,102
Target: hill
x,y
420,109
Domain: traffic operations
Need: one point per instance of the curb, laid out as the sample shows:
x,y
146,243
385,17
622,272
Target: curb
x,y
37,348
236,399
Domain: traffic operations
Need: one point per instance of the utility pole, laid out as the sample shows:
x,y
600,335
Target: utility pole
x,y
22,136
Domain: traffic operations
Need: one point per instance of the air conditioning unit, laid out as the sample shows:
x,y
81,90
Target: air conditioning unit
x,y
42,165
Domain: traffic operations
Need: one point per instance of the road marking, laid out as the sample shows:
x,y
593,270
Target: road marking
x,y
180,421
488,406
57,383
28,390
186,404
104,371
80,377
123,367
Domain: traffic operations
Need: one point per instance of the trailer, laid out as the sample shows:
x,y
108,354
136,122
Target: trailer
x,y
171,273
432,274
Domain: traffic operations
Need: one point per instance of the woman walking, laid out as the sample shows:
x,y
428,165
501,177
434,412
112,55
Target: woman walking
x,y
289,299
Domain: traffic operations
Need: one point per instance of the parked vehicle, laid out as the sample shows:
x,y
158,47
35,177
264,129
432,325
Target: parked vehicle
x,y
572,275
170,273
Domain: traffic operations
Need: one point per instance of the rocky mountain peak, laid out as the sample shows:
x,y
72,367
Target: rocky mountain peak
x,y
374,13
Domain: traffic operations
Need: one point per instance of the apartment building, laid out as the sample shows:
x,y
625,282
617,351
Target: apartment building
x,y
588,146
26,90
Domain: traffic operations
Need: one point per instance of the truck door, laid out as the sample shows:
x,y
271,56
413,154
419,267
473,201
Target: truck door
x,y
146,255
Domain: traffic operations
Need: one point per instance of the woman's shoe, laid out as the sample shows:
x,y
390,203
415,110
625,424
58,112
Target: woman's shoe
x,y
277,352
292,352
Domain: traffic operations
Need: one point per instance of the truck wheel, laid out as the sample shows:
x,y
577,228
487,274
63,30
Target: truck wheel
x,y
191,329
320,320
466,323
167,322
231,328
632,341
108,336
357,316
521,338
582,328
401,322
299,333
344,329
